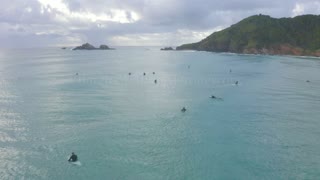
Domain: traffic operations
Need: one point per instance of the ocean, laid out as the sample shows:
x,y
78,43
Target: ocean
x,y
54,102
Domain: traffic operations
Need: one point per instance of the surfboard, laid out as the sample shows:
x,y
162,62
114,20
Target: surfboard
x,y
77,163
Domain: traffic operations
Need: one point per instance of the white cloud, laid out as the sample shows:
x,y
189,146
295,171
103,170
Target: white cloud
x,y
310,7
298,9
175,38
28,9
65,14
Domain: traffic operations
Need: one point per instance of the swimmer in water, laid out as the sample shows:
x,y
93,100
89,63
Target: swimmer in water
x,y
183,109
144,73
155,81
214,97
73,157
236,83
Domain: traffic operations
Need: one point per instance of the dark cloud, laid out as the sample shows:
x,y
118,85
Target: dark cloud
x,y
131,21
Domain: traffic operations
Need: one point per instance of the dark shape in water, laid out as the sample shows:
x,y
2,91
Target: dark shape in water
x,y
307,81
167,49
214,97
73,157
129,73
183,109
155,81
77,74
88,46
153,73
144,73
236,83
104,47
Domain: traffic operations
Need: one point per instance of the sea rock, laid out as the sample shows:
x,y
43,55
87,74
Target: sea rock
x,y
167,49
85,46
88,46
103,47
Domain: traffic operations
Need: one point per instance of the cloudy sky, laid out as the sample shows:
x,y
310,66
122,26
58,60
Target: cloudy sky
x,y
32,23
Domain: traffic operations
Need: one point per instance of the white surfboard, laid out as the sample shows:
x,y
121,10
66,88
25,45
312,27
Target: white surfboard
x,y
77,163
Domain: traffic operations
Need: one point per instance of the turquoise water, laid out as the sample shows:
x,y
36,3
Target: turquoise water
x,y
128,127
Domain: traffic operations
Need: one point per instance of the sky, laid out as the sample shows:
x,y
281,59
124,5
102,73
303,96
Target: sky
x,y
38,23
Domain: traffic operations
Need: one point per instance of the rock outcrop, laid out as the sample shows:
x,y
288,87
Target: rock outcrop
x,y
88,46
104,47
167,49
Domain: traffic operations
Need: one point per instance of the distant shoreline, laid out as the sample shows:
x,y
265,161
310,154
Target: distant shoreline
x,y
249,54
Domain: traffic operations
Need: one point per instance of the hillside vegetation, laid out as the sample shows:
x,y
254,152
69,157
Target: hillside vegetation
x,y
261,34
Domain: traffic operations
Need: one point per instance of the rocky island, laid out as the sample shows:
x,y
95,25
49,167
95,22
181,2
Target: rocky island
x,y
167,49
88,46
262,34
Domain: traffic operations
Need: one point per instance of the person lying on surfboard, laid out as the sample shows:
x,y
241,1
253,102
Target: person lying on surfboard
x,y
73,157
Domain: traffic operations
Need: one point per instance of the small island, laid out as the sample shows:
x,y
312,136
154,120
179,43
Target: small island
x,y
167,49
88,46
262,34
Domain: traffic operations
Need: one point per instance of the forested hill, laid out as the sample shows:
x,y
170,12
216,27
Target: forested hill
x,y
261,34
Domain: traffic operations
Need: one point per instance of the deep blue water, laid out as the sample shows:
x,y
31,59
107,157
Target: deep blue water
x,y
128,127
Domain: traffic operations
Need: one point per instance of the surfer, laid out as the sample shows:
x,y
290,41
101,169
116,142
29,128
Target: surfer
x,y
73,157
215,97
183,109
